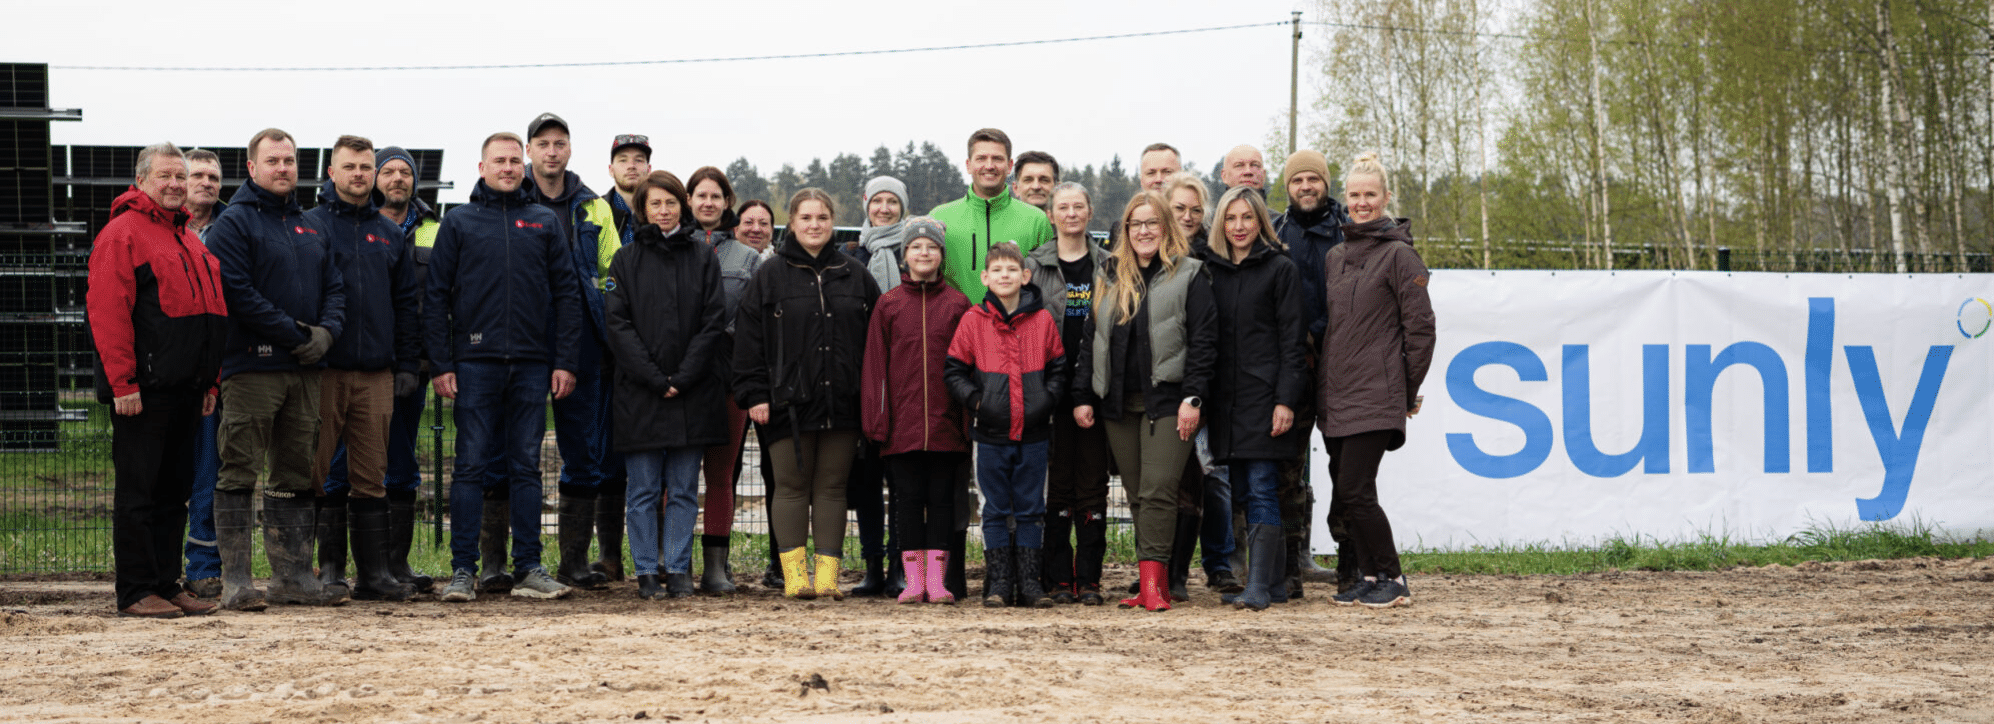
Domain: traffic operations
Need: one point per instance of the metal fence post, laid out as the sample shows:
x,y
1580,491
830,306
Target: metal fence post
x,y
1723,258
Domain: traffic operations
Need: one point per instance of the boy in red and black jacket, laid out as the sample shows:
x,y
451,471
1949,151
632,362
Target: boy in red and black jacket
x,y
1008,369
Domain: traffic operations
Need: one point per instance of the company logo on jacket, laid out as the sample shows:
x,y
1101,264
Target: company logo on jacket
x,y
524,224
305,230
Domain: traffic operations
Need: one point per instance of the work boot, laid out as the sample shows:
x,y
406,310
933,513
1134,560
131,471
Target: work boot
x,y
915,563
577,522
287,540
1031,586
233,518
329,530
190,604
375,580
609,537
1000,568
648,588
1267,566
1182,549
494,531
875,579
208,588
796,574
1056,559
716,581
401,535
1091,537
957,578
152,607
827,577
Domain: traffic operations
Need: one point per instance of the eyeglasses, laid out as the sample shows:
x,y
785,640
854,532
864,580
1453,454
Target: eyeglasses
x,y
1150,225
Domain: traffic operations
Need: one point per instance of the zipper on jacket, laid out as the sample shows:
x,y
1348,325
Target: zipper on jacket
x,y
924,374
507,357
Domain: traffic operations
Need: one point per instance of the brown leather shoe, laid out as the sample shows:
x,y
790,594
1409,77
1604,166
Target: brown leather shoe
x,y
186,602
152,607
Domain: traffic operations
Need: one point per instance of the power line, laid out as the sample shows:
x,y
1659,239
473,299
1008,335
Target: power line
x,y
672,61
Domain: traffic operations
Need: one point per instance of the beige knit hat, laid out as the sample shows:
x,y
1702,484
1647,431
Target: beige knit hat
x,y
1305,160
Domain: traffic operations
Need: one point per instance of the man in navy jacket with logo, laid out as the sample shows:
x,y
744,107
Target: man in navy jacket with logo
x,y
286,304
499,264
374,359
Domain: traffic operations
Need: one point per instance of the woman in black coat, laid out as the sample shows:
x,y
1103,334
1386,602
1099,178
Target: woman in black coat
x,y
667,319
1262,375
799,341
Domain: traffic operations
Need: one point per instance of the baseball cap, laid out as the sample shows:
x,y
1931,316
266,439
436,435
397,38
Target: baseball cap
x,y
630,139
540,123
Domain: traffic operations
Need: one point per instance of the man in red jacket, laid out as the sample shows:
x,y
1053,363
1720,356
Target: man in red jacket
x,y
159,324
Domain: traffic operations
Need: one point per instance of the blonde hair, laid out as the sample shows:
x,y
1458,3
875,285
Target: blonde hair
x,y
1259,206
1188,180
1126,282
1368,164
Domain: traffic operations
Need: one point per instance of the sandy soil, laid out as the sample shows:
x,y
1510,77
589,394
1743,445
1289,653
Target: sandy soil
x,y
1865,641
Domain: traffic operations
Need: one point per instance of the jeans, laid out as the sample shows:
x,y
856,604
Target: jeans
x,y
1013,481
673,472
500,405
404,475
203,559
153,455
1215,532
1258,491
582,424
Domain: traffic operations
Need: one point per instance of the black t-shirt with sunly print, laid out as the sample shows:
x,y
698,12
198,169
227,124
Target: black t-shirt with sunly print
x,y
1079,301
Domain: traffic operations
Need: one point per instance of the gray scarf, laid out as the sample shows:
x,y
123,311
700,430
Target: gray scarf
x,y
883,243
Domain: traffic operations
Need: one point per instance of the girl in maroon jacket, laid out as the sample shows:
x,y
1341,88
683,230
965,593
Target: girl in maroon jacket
x,y
1375,352
907,409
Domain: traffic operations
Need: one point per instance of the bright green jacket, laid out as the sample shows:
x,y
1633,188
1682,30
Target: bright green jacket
x,y
973,224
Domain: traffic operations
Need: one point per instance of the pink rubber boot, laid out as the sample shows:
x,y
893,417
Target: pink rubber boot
x,y
917,579
938,568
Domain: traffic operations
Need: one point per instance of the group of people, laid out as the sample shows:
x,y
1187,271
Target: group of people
x,y
991,347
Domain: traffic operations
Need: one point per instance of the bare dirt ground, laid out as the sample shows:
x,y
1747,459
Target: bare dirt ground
x,y
1852,642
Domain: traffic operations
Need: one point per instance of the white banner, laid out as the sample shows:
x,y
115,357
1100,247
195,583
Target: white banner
x,y
1565,407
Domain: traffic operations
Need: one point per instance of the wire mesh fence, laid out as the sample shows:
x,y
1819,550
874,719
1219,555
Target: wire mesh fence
x,y
56,491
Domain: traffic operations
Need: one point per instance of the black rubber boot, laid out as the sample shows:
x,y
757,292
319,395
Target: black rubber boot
x,y
1091,535
494,532
1291,566
401,535
896,577
233,520
374,579
1269,561
1181,551
716,580
678,585
1000,567
874,583
287,539
577,521
1056,559
609,536
772,578
329,534
956,579
1031,572
648,588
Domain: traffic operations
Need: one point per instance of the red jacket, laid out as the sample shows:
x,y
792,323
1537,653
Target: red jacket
x,y
905,403
155,302
1008,370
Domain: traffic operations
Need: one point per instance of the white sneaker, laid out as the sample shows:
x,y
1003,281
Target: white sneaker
x,y
537,584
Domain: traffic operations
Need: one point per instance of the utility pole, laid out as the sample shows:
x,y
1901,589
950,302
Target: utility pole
x,y
1294,78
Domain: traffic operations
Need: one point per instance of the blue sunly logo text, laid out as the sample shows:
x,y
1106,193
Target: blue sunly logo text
x,y
1898,445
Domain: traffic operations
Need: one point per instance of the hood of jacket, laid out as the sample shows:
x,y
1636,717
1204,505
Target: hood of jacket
x,y
254,196
135,201
1321,219
792,251
652,235
1028,302
573,191
1379,230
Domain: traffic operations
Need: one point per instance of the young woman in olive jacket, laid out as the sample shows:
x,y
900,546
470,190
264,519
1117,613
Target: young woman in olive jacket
x,y
666,318
799,341
1375,352
1262,374
1147,358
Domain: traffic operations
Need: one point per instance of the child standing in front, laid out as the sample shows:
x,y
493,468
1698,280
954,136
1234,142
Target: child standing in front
x,y
906,408
1008,370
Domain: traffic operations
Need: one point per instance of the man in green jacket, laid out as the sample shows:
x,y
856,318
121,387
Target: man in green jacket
x,y
986,215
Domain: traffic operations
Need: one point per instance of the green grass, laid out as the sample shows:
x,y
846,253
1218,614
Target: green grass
x,y
1707,552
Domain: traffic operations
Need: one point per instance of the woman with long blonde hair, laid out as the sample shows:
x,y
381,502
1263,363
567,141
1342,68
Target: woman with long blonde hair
x,y
1146,361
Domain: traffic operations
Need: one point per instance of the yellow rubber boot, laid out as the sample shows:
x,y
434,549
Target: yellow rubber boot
x,y
827,577
796,574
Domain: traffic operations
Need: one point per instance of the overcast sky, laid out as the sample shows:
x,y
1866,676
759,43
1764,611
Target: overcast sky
x,y
1082,102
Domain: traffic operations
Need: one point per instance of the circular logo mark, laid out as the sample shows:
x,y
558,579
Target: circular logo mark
x,y
1975,317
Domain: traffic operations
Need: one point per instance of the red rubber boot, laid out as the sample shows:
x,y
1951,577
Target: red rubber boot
x,y
1154,594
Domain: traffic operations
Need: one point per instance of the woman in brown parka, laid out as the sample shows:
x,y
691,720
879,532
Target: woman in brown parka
x,y
1375,352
